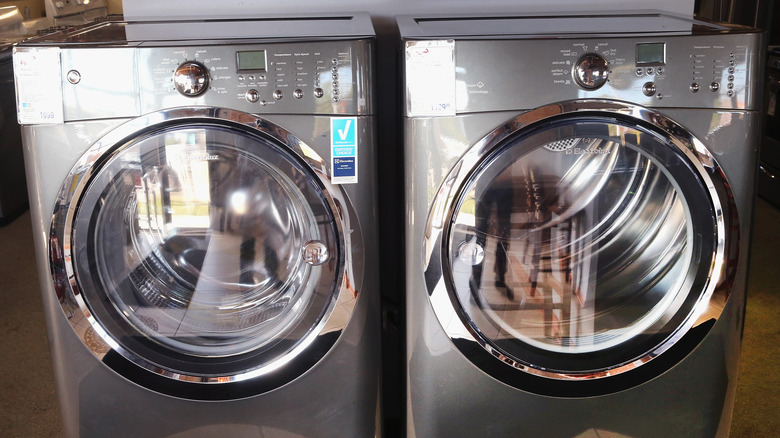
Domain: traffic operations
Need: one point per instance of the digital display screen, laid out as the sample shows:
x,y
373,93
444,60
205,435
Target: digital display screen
x,y
251,60
651,54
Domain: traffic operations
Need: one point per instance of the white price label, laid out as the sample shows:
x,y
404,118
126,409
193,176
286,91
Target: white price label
x,y
38,79
430,78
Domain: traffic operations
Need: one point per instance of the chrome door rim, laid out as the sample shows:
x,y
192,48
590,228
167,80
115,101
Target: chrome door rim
x,y
78,180
443,300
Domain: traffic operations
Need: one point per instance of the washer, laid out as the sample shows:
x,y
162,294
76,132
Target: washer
x,y
203,197
74,13
579,197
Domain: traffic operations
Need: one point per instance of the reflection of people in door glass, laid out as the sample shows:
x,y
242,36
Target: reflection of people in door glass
x,y
494,202
250,203
519,199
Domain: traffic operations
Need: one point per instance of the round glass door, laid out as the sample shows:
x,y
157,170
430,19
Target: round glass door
x,y
205,252
579,248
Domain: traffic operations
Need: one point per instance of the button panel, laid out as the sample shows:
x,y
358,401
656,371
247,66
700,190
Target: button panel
x,y
311,77
711,71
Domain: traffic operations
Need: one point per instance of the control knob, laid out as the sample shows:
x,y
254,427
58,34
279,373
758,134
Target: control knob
x,y
591,71
191,78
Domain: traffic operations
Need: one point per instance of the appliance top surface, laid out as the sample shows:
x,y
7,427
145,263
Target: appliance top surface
x,y
558,26
124,33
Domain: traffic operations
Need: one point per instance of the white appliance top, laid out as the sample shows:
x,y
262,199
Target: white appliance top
x,y
171,10
297,27
630,23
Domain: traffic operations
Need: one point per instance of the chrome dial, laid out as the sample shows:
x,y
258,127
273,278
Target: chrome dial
x,y
191,79
591,71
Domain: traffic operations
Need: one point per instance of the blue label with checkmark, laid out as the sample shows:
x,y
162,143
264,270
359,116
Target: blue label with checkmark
x,y
343,143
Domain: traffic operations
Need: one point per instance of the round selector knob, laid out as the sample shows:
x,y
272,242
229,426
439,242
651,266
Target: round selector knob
x,y
591,71
191,78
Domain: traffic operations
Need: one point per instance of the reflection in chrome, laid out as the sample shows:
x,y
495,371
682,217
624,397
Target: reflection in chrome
x,y
572,244
209,233
471,253
315,253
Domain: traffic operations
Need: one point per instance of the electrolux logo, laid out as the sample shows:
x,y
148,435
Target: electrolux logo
x,y
581,151
200,156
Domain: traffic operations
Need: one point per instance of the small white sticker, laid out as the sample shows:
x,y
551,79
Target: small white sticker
x,y
344,150
38,79
430,78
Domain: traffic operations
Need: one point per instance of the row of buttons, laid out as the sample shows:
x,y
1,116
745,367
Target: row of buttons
x,y
649,88
254,96
251,78
714,87
730,84
335,79
650,71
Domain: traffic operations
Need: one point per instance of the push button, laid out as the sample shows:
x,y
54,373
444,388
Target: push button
x,y
649,88
252,96
74,77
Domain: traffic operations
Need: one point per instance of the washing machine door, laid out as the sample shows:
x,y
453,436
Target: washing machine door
x,y
581,248
204,252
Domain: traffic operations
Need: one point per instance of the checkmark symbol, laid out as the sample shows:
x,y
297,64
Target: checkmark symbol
x,y
343,132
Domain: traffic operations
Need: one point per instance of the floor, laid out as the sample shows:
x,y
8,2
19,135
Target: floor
x,y
28,406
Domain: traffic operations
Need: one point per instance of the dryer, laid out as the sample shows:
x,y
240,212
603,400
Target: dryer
x,y
203,197
579,196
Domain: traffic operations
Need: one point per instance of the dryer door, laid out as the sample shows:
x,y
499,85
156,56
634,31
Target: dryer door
x,y
205,253
585,244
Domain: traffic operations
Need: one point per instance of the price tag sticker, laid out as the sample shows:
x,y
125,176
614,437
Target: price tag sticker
x,y
38,78
430,78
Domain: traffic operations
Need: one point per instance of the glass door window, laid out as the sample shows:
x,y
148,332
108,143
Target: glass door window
x,y
580,245
204,249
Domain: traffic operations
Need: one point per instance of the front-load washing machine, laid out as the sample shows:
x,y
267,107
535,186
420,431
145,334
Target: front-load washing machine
x,y
203,207
579,194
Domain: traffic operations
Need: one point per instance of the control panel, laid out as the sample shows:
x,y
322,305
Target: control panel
x,y
709,71
316,77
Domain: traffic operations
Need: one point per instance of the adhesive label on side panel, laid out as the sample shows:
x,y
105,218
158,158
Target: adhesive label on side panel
x,y
38,79
344,150
430,78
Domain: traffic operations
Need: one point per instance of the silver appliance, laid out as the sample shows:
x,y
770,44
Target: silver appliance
x,y
769,170
74,12
202,198
14,27
579,194
13,187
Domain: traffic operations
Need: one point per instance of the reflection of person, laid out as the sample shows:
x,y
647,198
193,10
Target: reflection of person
x,y
221,174
249,203
494,203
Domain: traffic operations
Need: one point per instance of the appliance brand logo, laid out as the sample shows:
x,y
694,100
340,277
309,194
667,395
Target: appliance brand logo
x,y
581,151
198,156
